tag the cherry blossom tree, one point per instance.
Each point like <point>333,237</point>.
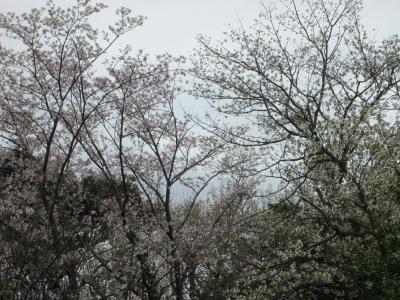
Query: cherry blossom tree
<point>103,170</point>
<point>144,137</point>
<point>49,95</point>
<point>310,88</point>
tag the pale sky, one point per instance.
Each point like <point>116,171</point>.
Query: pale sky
<point>172,25</point>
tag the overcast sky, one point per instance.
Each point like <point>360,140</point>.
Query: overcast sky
<point>172,25</point>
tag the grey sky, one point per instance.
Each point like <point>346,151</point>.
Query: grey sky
<point>172,25</point>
